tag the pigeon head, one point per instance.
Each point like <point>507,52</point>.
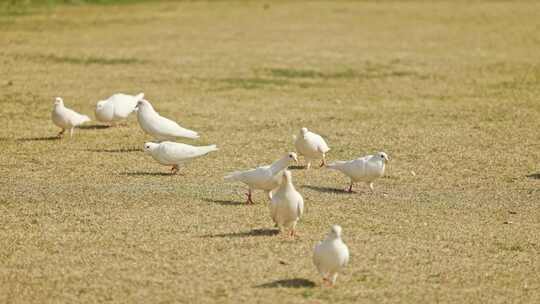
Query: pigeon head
<point>58,101</point>
<point>143,104</point>
<point>149,146</point>
<point>382,156</point>
<point>335,231</point>
<point>303,131</point>
<point>292,156</point>
<point>100,104</point>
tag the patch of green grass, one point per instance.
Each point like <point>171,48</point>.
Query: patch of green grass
<point>300,73</point>
<point>14,8</point>
<point>251,83</point>
<point>92,219</point>
<point>370,71</point>
<point>293,73</point>
<point>89,60</point>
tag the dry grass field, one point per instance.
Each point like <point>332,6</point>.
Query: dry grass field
<point>450,90</point>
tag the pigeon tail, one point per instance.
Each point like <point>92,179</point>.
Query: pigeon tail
<point>188,134</point>
<point>209,149</point>
<point>234,176</point>
<point>85,118</point>
<point>337,165</point>
<point>212,148</point>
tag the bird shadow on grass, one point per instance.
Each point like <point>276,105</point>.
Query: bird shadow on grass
<point>93,127</point>
<point>224,202</point>
<point>534,176</point>
<point>46,138</point>
<point>296,167</point>
<point>121,150</point>
<point>289,283</point>
<point>253,232</point>
<point>142,173</point>
<point>326,189</point>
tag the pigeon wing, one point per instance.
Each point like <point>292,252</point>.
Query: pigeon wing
<point>124,104</point>
<point>258,176</point>
<point>171,128</point>
<point>177,152</point>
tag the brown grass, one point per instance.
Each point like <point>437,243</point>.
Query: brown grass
<point>450,90</point>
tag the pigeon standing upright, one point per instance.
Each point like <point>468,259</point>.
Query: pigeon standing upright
<point>287,205</point>
<point>365,169</point>
<point>175,154</point>
<point>66,118</point>
<point>311,145</point>
<point>265,178</point>
<point>331,255</point>
<point>159,127</point>
<point>117,107</point>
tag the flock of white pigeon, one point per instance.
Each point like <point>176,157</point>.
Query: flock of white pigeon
<point>286,203</point>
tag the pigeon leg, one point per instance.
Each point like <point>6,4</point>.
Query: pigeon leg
<point>308,165</point>
<point>323,162</point>
<point>71,132</point>
<point>371,187</point>
<point>325,281</point>
<point>249,200</point>
<point>333,278</point>
<point>61,133</point>
<point>350,188</point>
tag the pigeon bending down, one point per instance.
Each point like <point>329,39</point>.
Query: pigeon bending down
<point>331,255</point>
<point>364,169</point>
<point>287,204</point>
<point>117,107</point>
<point>158,126</point>
<point>265,178</point>
<point>312,146</point>
<point>66,118</point>
<point>175,154</point>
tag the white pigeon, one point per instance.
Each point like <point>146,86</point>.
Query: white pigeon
<point>158,126</point>
<point>311,145</point>
<point>364,169</point>
<point>117,107</point>
<point>66,118</point>
<point>287,204</point>
<point>265,178</point>
<point>331,255</point>
<point>175,154</point>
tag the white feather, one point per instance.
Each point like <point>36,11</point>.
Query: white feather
<point>363,169</point>
<point>287,204</point>
<point>117,107</point>
<point>159,127</point>
<point>331,255</point>
<point>66,118</point>
<point>265,178</point>
<point>310,145</point>
<point>171,153</point>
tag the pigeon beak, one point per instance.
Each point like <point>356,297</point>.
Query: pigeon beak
<point>387,158</point>
<point>296,160</point>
